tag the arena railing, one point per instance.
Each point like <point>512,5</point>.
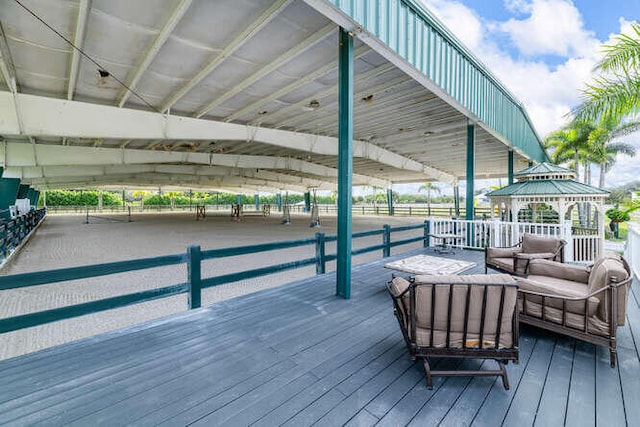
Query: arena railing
<point>193,257</point>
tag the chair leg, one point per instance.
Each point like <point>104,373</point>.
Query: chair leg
<point>427,371</point>
<point>503,374</point>
<point>612,357</point>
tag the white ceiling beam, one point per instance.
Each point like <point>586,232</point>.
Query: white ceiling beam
<point>6,63</point>
<point>42,117</point>
<point>78,41</point>
<point>362,50</point>
<point>74,158</point>
<point>161,38</point>
<point>287,56</point>
<point>235,44</point>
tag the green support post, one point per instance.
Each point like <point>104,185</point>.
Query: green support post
<point>8,194</point>
<point>321,263</point>
<point>386,241</point>
<point>307,202</point>
<point>239,199</point>
<point>456,200</point>
<point>279,201</point>
<point>345,162</point>
<point>390,201</point>
<point>510,166</point>
<point>427,234</point>
<point>256,200</point>
<point>471,157</point>
<point>194,276</point>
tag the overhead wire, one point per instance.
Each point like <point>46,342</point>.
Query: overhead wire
<point>101,68</point>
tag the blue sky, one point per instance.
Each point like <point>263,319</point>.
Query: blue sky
<point>544,52</point>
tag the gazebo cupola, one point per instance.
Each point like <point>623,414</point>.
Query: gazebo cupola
<point>547,193</point>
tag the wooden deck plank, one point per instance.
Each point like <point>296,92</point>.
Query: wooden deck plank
<point>298,355</point>
<point>582,392</point>
<point>553,403</point>
<point>497,401</point>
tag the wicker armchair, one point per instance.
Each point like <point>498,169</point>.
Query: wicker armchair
<point>516,259</point>
<point>586,303</point>
<point>468,316</point>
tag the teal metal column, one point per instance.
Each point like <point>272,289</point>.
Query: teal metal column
<point>471,166</point>
<point>279,201</point>
<point>345,162</point>
<point>256,199</point>
<point>530,163</point>
<point>390,201</point>
<point>36,198</point>
<point>510,166</point>
<point>239,198</point>
<point>307,202</point>
<point>456,200</point>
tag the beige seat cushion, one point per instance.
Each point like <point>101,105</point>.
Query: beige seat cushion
<point>532,243</point>
<point>561,288</point>
<point>424,291</point>
<point>575,273</point>
<point>602,273</point>
<point>575,321</point>
<point>503,263</point>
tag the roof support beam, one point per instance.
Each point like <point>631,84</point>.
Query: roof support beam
<point>269,68</point>
<point>234,45</point>
<point>161,38</point>
<point>6,63</point>
<point>50,117</point>
<point>78,41</point>
<point>19,155</point>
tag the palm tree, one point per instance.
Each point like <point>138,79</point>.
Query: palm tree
<point>603,148</point>
<point>616,94</point>
<point>429,186</point>
<point>570,145</point>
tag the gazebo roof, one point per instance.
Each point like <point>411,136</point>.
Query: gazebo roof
<point>543,169</point>
<point>547,187</point>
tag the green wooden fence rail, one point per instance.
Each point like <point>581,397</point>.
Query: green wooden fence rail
<point>193,257</point>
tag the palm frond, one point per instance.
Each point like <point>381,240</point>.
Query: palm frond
<point>609,99</point>
<point>624,54</point>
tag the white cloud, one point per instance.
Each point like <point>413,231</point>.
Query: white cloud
<point>462,21</point>
<point>552,27</point>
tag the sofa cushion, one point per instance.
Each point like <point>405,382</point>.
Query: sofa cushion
<point>502,263</point>
<point>575,273</point>
<point>532,243</point>
<point>602,273</point>
<point>563,289</point>
<point>424,290</point>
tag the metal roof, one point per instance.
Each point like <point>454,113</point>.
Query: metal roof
<point>242,95</point>
<point>547,187</point>
<point>544,168</point>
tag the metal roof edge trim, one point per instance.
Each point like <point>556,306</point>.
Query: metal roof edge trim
<point>345,13</point>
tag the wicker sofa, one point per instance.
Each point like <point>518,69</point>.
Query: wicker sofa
<point>587,303</point>
<point>468,316</point>
<point>516,259</point>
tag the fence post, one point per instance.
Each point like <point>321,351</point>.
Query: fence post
<point>386,241</point>
<point>566,234</point>
<point>321,263</point>
<point>194,276</point>
<point>427,233</point>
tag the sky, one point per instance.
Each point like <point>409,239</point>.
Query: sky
<point>543,51</point>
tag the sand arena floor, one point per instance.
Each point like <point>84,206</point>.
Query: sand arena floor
<point>66,241</point>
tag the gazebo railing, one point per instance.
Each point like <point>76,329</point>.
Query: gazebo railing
<point>581,247</point>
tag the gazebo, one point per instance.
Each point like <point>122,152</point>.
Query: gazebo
<point>547,194</point>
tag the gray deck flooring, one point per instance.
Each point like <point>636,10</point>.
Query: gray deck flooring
<point>297,355</point>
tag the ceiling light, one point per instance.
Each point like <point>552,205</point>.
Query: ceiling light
<point>368,98</point>
<point>312,106</point>
<point>427,133</point>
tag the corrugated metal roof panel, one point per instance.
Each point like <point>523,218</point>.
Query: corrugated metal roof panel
<point>416,35</point>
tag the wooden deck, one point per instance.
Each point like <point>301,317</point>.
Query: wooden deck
<point>297,355</point>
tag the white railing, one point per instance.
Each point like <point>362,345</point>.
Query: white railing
<point>632,253</point>
<point>478,234</point>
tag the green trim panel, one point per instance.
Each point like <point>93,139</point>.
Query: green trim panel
<point>418,37</point>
